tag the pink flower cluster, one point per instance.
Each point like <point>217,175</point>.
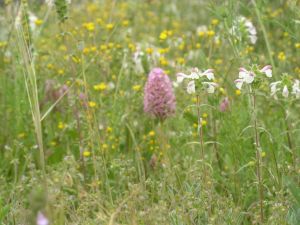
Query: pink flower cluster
<point>159,98</point>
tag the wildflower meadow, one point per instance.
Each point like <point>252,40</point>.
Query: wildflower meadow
<point>149,112</point>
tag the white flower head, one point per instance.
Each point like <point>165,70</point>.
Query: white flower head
<point>181,77</point>
<point>267,70</point>
<point>210,87</point>
<point>209,74</point>
<point>286,87</point>
<point>191,88</point>
<point>248,77</point>
<point>196,74</point>
<point>244,76</point>
<point>201,28</point>
<point>239,83</point>
<point>32,19</point>
<point>18,19</point>
<point>242,23</point>
<point>296,88</point>
<point>285,91</point>
<point>137,58</point>
<point>274,88</point>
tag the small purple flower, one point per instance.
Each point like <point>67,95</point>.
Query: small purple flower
<point>159,98</point>
<point>224,105</point>
<point>41,219</point>
<point>83,99</point>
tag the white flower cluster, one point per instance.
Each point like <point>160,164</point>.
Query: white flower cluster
<point>248,77</point>
<point>285,89</point>
<point>196,74</point>
<point>284,86</point>
<point>243,23</point>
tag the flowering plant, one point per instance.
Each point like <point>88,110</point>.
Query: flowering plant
<point>244,29</point>
<point>286,86</point>
<point>159,98</point>
<point>198,79</point>
<point>254,75</point>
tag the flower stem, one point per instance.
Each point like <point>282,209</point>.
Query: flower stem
<point>200,128</point>
<point>258,159</point>
<point>269,49</point>
<point>289,140</point>
<point>218,158</point>
<point>200,131</point>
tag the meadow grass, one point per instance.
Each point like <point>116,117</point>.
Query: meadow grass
<point>77,147</point>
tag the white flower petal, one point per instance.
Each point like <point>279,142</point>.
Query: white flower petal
<point>191,87</point>
<point>243,73</point>
<point>249,78</point>
<point>285,91</point>
<point>209,74</point>
<point>239,83</point>
<point>267,70</point>
<point>210,87</point>
<point>296,88</point>
<point>181,77</point>
<point>274,88</point>
<point>194,75</point>
<point>253,39</point>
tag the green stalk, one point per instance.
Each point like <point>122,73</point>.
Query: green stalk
<point>262,26</point>
<point>258,157</point>
<point>32,91</point>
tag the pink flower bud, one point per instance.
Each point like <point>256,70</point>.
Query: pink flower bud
<point>159,98</point>
<point>224,105</point>
<point>41,219</point>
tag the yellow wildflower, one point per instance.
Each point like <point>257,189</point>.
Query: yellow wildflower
<point>222,91</point>
<point>103,47</point>
<point>238,92</point>
<point>125,23</point>
<point>50,66</point>
<point>110,26</point>
<point>203,123</point>
<point>61,125</point>
<point>215,22</point>
<point>3,44</point>
<point>201,33</point>
<point>218,61</point>
<point>281,56</point>
<point>151,133</point>
<point>21,135</point>
<point>163,61</point>
<point>86,153</point>
<point>89,26</point>
<point>251,163</point>
<point>60,72</point>
<point>181,60</point>
<point>38,22</point>
<point>100,87</point>
<point>149,51</point>
<point>163,35</point>
<point>136,87</point>
<point>210,33</point>
<point>92,104</point>
<point>109,129</point>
